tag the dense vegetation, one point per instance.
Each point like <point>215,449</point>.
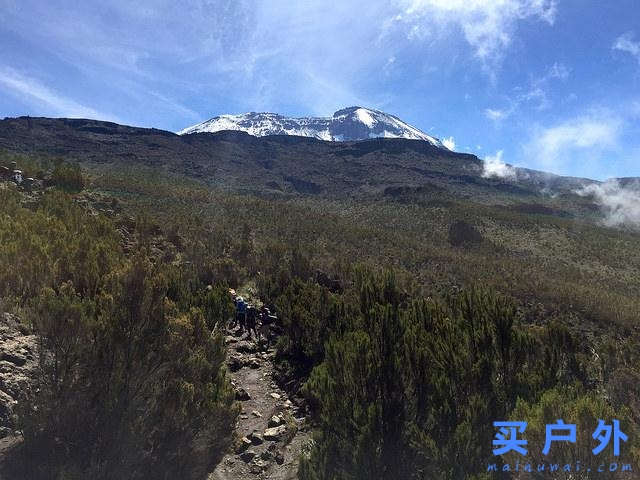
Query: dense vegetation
<point>481,313</point>
<point>132,380</point>
<point>410,388</point>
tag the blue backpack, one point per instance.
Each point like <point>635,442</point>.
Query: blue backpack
<point>242,306</point>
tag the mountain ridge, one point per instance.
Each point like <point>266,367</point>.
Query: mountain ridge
<point>347,124</point>
<point>236,159</point>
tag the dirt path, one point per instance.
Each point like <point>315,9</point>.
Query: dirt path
<point>271,427</point>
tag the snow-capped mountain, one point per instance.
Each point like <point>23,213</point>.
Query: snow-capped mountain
<point>353,123</point>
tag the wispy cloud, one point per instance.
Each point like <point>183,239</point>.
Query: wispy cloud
<point>488,26</point>
<point>580,137</point>
<point>496,114</point>
<point>626,43</point>
<point>620,204</point>
<point>535,94</point>
<point>176,106</point>
<point>45,99</point>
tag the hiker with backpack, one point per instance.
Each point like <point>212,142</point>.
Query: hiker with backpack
<point>241,313</point>
<point>251,318</point>
<point>266,322</point>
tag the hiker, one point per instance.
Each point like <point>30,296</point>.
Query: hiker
<point>234,298</point>
<point>251,320</point>
<point>241,313</point>
<point>266,320</point>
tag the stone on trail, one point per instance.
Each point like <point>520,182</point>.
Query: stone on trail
<point>256,413</point>
<point>275,421</point>
<point>255,438</point>
<point>247,456</point>
<point>257,467</point>
<point>235,363</point>
<point>244,444</point>
<point>254,363</point>
<point>274,433</point>
<point>275,396</point>
<point>242,395</point>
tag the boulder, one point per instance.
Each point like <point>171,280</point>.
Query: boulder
<point>255,438</point>
<point>242,395</point>
<point>235,363</point>
<point>275,421</point>
<point>244,444</point>
<point>247,456</point>
<point>275,433</point>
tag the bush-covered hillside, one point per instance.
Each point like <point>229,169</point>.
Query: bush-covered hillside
<point>411,321</point>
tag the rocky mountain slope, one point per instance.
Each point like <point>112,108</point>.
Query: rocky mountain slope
<point>274,164</point>
<point>348,124</point>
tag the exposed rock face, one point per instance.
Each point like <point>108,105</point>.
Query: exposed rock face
<point>18,362</point>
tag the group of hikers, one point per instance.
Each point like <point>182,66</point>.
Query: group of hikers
<point>251,319</point>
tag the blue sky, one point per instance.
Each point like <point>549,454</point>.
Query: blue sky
<point>552,84</point>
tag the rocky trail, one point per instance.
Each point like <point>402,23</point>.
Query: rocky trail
<point>272,429</point>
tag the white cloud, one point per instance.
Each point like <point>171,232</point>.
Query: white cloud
<point>48,101</point>
<point>494,166</point>
<point>620,204</point>
<point>488,25</point>
<point>625,43</point>
<point>449,143</point>
<point>496,114</point>
<point>553,146</point>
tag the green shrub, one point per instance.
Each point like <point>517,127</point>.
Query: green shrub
<point>68,176</point>
<point>462,233</point>
<point>131,386</point>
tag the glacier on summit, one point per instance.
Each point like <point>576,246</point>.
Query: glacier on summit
<point>348,124</point>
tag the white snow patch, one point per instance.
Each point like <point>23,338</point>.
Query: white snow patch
<point>379,124</point>
<point>365,117</point>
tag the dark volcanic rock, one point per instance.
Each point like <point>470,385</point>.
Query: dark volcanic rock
<point>242,395</point>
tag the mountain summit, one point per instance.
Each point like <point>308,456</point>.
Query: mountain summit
<point>353,123</point>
